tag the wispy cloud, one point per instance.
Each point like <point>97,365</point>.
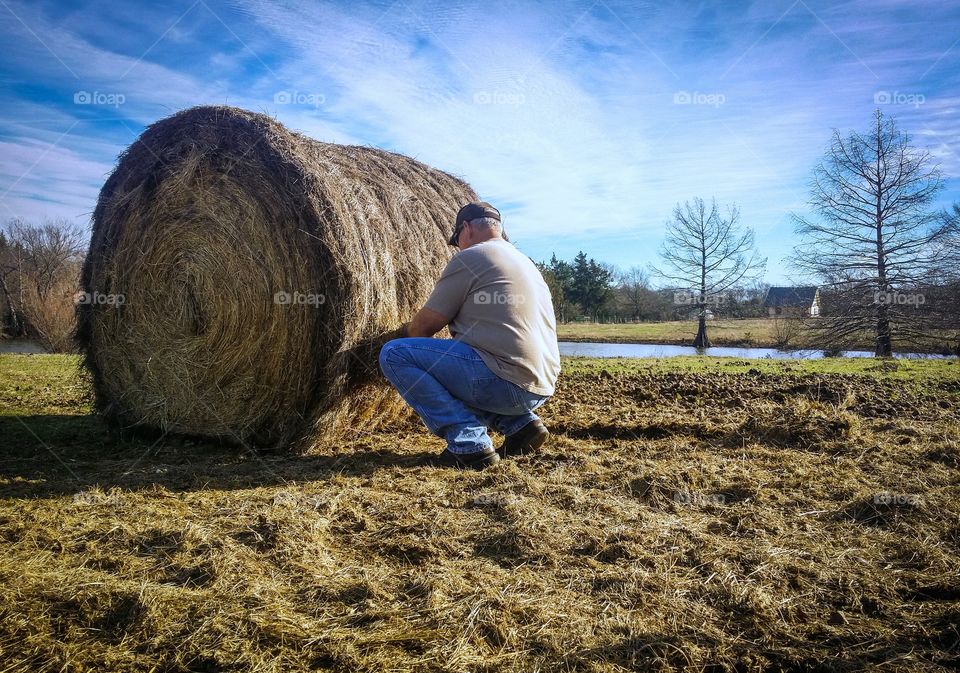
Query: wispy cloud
<point>586,120</point>
<point>42,179</point>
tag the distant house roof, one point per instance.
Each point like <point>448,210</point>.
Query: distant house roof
<point>790,296</point>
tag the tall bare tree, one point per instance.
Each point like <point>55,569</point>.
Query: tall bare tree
<point>872,239</point>
<point>705,255</point>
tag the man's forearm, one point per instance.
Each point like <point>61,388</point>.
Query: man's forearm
<point>426,323</point>
<point>413,332</point>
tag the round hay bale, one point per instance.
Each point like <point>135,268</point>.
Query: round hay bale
<point>239,275</point>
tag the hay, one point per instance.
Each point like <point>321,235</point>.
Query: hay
<point>600,554</point>
<point>800,423</point>
<point>208,216</point>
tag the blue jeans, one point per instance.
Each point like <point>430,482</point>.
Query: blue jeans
<point>456,394</point>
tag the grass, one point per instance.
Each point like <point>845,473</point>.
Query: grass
<point>747,332</point>
<point>701,514</point>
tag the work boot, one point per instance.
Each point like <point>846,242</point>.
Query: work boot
<point>474,461</point>
<point>526,440</point>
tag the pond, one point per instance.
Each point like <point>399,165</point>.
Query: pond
<point>597,350</point>
<point>20,346</point>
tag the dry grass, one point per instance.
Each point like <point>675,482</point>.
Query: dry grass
<point>741,332</point>
<point>718,520</point>
<point>757,332</point>
<point>209,216</point>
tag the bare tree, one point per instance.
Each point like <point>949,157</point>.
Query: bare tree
<point>13,322</point>
<point>634,290</point>
<point>872,243</point>
<point>948,247</point>
<point>786,328</point>
<point>944,283</point>
<point>39,270</point>
<point>705,255</point>
<point>47,249</point>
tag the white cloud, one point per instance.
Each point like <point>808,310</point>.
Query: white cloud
<point>564,116</point>
<point>44,180</point>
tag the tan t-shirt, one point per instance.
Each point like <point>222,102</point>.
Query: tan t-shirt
<point>500,305</point>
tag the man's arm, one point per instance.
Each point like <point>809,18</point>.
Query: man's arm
<point>446,299</point>
<point>426,323</point>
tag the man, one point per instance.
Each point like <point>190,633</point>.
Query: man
<point>503,360</point>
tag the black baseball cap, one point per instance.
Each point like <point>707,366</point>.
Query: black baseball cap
<point>472,211</point>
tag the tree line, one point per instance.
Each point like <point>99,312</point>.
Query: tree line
<point>584,289</point>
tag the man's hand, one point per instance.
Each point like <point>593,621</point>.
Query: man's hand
<point>426,323</point>
<point>399,333</point>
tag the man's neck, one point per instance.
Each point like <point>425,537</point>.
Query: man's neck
<point>486,240</point>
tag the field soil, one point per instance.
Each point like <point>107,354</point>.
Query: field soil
<point>691,514</point>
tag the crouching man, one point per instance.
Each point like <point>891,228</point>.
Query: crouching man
<point>503,360</point>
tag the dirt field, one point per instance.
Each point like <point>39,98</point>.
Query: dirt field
<point>689,514</point>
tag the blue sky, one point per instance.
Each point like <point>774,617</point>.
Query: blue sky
<point>585,122</point>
